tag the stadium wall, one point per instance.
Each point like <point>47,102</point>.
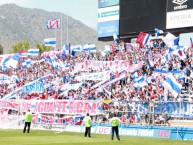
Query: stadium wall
<point>177,133</point>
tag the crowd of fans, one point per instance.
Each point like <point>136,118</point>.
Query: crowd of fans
<point>125,97</point>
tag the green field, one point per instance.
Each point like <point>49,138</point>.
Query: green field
<point>36,137</point>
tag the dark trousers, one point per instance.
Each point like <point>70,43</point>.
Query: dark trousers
<point>87,131</point>
<point>116,130</point>
<point>27,125</point>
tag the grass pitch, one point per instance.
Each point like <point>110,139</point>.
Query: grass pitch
<point>37,137</point>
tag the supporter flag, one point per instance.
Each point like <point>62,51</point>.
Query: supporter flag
<point>107,92</point>
<point>181,54</point>
<point>78,120</point>
<point>66,50</point>
<point>178,50</point>
<point>15,78</point>
<point>143,38</point>
<point>14,60</point>
<point>33,52</point>
<point>89,47</point>
<point>167,57</point>
<point>150,63</point>
<point>140,82</point>
<point>53,24</point>
<point>52,60</point>
<point>109,102</point>
<point>115,38</point>
<point>172,85</point>
<point>176,40</point>
<point>191,42</point>
<point>76,48</point>
<point>170,40</point>
<point>8,62</point>
<point>4,62</point>
<point>50,42</point>
<point>27,63</point>
<point>12,94</point>
<point>4,79</point>
<point>158,32</point>
<point>72,52</point>
<point>23,54</point>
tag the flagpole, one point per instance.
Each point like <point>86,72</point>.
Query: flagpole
<point>61,32</point>
<point>55,36</point>
<point>67,29</point>
<point>67,35</point>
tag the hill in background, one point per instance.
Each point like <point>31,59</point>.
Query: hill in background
<point>25,24</point>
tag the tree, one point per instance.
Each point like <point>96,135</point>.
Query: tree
<point>42,48</point>
<point>20,47</point>
<point>1,49</point>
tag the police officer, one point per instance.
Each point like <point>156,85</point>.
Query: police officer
<point>28,119</point>
<point>88,123</point>
<point>115,121</point>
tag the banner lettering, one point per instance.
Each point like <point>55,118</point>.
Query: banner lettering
<point>62,107</point>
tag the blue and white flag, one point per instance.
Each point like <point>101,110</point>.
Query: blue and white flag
<point>150,63</point>
<point>4,62</point>
<point>107,92</point>
<point>158,32</point>
<point>13,94</point>
<point>53,61</point>
<point>4,79</point>
<point>27,63</point>
<point>66,50</point>
<point>89,47</point>
<point>77,48</point>
<point>33,52</point>
<point>71,86</point>
<point>140,82</point>
<point>94,76</point>
<point>167,57</point>
<point>170,40</point>
<point>191,42</point>
<point>15,78</point>
<point>10,62</point>
<point>50,42</point>
<point>115,38</point>
<point>178,50</point>
<point>172,85</point>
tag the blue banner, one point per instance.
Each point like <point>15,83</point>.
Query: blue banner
<point>174,108</point>
<point>35,87</point>
<point>107,3</point>
<point>107,29</point>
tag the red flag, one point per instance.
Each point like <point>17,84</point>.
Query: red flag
<point>180,52</point>
<point>140,38</point>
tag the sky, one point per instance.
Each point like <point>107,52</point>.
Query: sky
<point>83,10</point>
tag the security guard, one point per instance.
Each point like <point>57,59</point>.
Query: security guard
<point>88,123</point>
<point>28,119</point>
<point>115,121</point>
